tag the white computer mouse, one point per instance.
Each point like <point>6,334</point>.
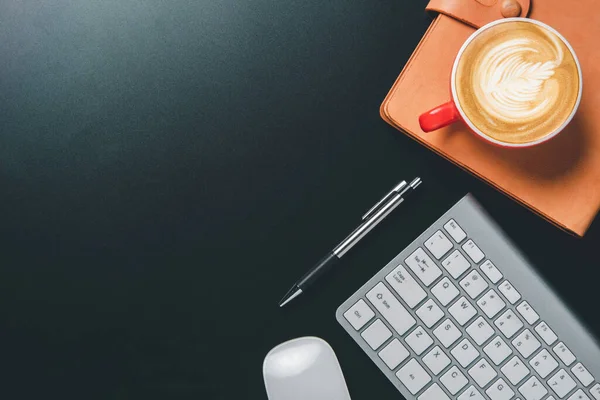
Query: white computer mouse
<point>304,368</point>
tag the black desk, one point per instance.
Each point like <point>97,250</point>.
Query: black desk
<point>169,168</point>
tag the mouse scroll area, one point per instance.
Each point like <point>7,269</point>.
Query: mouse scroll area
<point>293,360</point>
<point>304,368</point>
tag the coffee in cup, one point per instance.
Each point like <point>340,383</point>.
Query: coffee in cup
<point>515,82</point>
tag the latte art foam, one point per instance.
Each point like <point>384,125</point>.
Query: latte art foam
<point>517,82</point>
<point>511,87</point>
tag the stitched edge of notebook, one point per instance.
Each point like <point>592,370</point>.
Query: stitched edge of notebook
<point>392,92</point>
<point>578,232</point>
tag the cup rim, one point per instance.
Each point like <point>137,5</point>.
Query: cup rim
<point>464,116</point>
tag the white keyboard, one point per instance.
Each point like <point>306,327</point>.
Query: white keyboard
<point>460,314</point>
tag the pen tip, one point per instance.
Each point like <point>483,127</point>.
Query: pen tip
<point>294,292</point>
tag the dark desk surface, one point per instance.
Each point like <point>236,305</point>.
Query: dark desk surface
<point>169,168</point>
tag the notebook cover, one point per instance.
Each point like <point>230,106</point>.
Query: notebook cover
<point>560,179</point>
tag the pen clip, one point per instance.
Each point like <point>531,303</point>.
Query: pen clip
<point>395,190</point>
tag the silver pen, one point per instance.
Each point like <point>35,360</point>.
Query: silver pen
<point>371,219</point>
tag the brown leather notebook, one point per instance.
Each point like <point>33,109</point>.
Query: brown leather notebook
<point>559,179</point>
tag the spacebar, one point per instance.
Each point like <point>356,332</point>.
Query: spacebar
<point>390,308</point>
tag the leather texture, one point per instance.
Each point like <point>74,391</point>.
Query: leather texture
<point>474,12</point>
<point>559,179</point>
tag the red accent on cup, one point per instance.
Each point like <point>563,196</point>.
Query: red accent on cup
<point>439,117</point>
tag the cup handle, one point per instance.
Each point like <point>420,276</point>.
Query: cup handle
<point>439,117</point>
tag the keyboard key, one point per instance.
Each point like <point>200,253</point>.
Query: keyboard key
<point>526,343</point>
<point>471,394</point>
<point>456,264</point>
<point>423,267</point>
<point>393,354</point>
<point>596,391</point>
<point>465,353</point>
<point>433,392</point>
<point>480,331</point>
<point>546,333</point>
<point>508,323</point>
<point>376,334</point>
<point>563,352</point>
<point>533,389</point>
<point>430,313</point>
<point>491,303</point>
<point>482,372</point>
<point>497,350</point>
<point>438,244</point>
<point>359,314</point>
<point>543,363</point>
<point>391,309</point>
<point>419,340</point>
<point>454,380</point>
<point>462,311</point>
<point>500,391</point>
<point>413,376</point>
<point>445,291</point>
<point>508,291</point>
<point>578,395</point>
<point>528,313</point>
<point>490,270</point>
<point>473,251</point>
<point>515,370</point>
<point>406,286</point>
<point>561,383</point>
<point>447,333</point>
<point>582,374</point>
<point>455,231</point>
<point>436,360</point>
<point>474,284</point>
